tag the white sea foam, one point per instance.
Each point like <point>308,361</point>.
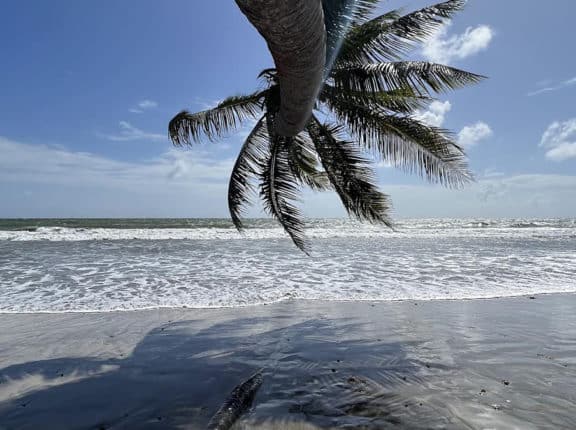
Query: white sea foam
<point>83,270</point>
<point>318,230</point>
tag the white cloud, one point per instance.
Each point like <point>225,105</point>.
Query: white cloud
<point>468,137</point>
<point>548,89</point>
<point>69,183</point>
<point>144,105</point>
<point>45,180</point>
<point>560,140</point>
<point>206,104</point>
<point>435,114</point>
<point>521,196</point>
<point>471,135</point>
<point>147,104</point>
<point>55,164</point>
<point>441,48</point>
<point>128,133</point>
<point>562,152</point>
<point>542,91</point>
<point>491,173</point>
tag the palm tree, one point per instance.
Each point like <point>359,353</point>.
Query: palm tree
<point>368,104</point>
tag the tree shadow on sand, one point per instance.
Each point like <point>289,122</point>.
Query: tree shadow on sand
<point>179,375</point>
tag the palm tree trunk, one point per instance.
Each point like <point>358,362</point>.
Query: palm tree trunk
<point>296,36</point>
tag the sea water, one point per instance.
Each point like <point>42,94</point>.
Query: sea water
<point>92,265</point>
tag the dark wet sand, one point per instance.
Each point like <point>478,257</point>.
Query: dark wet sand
<point>485,364</point>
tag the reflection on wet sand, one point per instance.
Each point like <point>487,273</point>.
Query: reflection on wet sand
<point>503,363</point>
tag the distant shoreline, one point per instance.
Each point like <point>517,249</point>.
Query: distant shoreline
<point>247,307</point>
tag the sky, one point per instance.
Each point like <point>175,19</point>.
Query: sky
<point>87,90</point>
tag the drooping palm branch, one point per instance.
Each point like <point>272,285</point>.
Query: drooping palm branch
<point>371,101</point>
<point>279,188</point>
<point>350,174</point>
<point>391,36</point>
<point>215,123</point>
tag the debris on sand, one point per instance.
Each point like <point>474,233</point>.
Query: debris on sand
<point>239,401</point>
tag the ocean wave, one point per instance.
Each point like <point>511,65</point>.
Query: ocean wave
<point>142,274</point>
<point>273,231</point>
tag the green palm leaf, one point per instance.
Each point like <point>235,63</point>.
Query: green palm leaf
<point>420,76</point>
<point>390,36</point>
<point>247,167</point>
<point>350,174</point>
<point>407,143</point>
<point>279,191</point>
<point>339,16</point>
<point>215,123</point>
<point>303,161</point>
<point>403,100</point>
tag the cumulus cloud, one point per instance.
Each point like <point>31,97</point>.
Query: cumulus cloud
<point>435,114</point>
<point>471,135</point>
<point>468,137</point>
<point>143,106</point>
<point>560,140</point>
<point>442,48</point>
<point>128,132</point>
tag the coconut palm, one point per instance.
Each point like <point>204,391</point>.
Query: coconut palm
<point>367,108</point>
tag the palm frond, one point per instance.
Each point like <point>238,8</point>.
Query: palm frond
<point>350,174</point>
<point>279,191</point>
<point>404,100</point>
<point>389,36</point>
<point>407,143</point>
<point>339,16</point>
<point>247,167</point>
<point>337,12</point>
<point>420,76</point>
<point>304,161</point>
<point>186,128</point>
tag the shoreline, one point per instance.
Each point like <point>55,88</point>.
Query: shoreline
<point>532,296</point>
<point>490,363</point>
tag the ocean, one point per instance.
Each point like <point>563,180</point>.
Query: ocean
<point>90,265</point>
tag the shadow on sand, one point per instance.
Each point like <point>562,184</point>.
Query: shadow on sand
<point>180,374</point>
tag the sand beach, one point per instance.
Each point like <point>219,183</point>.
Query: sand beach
<point>460,364</point>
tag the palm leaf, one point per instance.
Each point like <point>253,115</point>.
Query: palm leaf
<point>247,167</point>
<point>339,16</point>
<point>403,100</point>
<point>350,175</point>
<point>407,143</point>
<point>279,191</point>
<point>215,123</point>
<point>420,76</point>
<point>390,36</point>
<point>303,161</point>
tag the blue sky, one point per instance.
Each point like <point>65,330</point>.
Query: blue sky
<point>87,90</point>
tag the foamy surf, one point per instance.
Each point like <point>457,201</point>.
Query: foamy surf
<point>93,269</point>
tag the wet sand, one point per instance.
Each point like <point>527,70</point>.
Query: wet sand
<point>481,364</point>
